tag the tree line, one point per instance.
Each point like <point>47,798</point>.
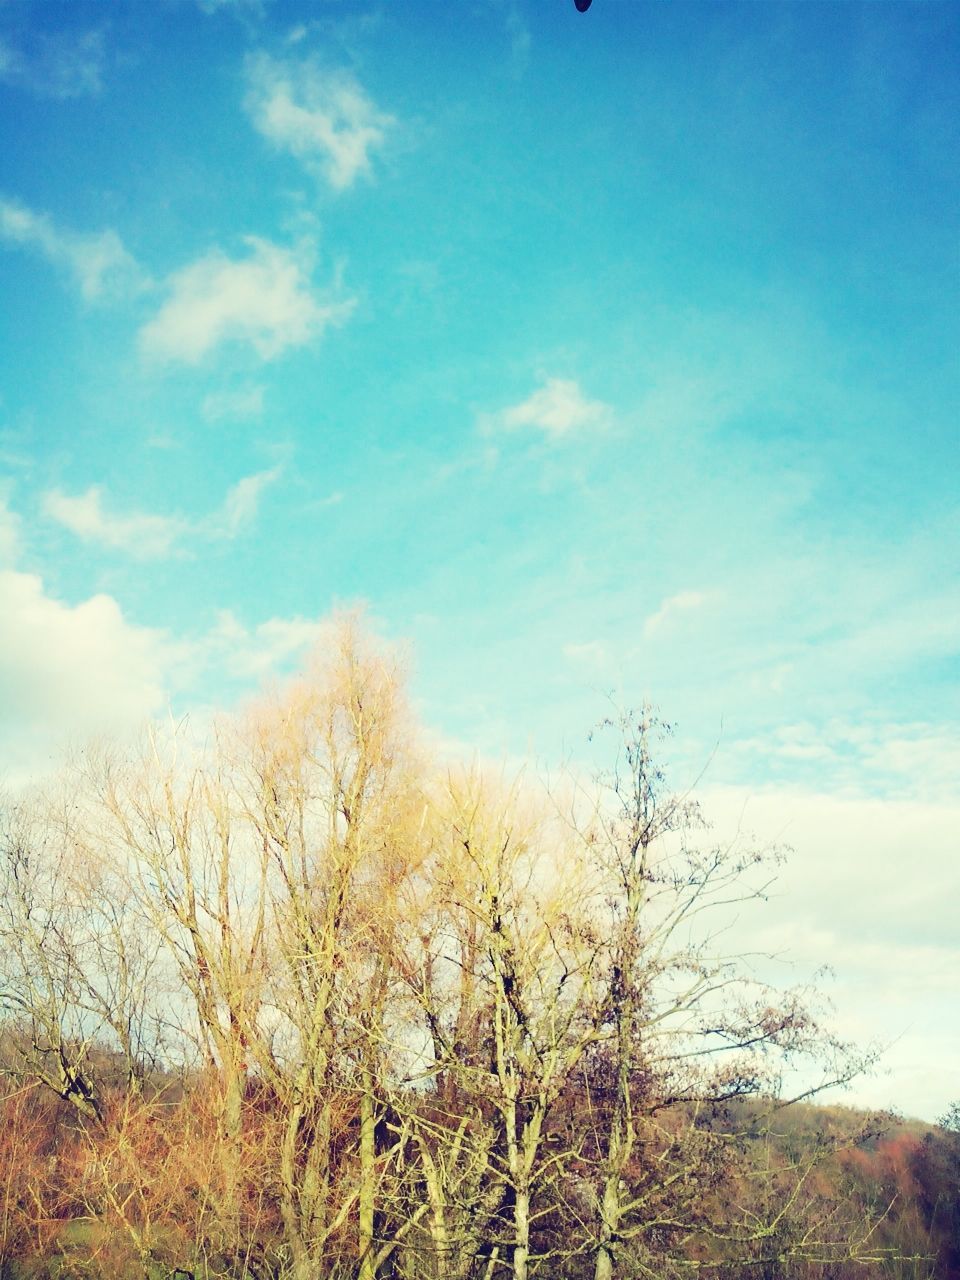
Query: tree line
<point>301,1000</point>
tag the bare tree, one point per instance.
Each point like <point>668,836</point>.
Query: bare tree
<point>690,1026</point>
<point>319,1005</point>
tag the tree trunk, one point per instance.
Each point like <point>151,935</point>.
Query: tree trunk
<point>521,1248</point>
<point>609,1224</point>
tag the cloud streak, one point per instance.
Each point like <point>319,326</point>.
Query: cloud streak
<point>241,505</point>
<point>138,534</point>
<point>147,536</point>
<point>98,262</point>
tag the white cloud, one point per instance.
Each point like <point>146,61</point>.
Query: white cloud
<point>141,535</point>
<point>147,536</point>
<point>324,118</point>
<point>265,300</point>
<point>558,408</point>
<point>72,671</point>
<point>69,671</point>
<point>99,263</point>
<point>682,602</point>
<point>244,403</point>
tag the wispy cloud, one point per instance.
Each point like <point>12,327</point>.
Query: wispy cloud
<point>56,64</point>
<point>265,300</point>
<point>137,533</point>
<point>323,117</point>
<point>247,402</point>
<point>912,759</point>
<point>146,536</point>
<point>673,607</point>
<point>250,652</point>
<point>241,504</point>
<point>98,262</point>
<point>558,408</point>
<point>331,500</point>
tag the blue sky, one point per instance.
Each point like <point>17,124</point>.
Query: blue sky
<point>603,352</point>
